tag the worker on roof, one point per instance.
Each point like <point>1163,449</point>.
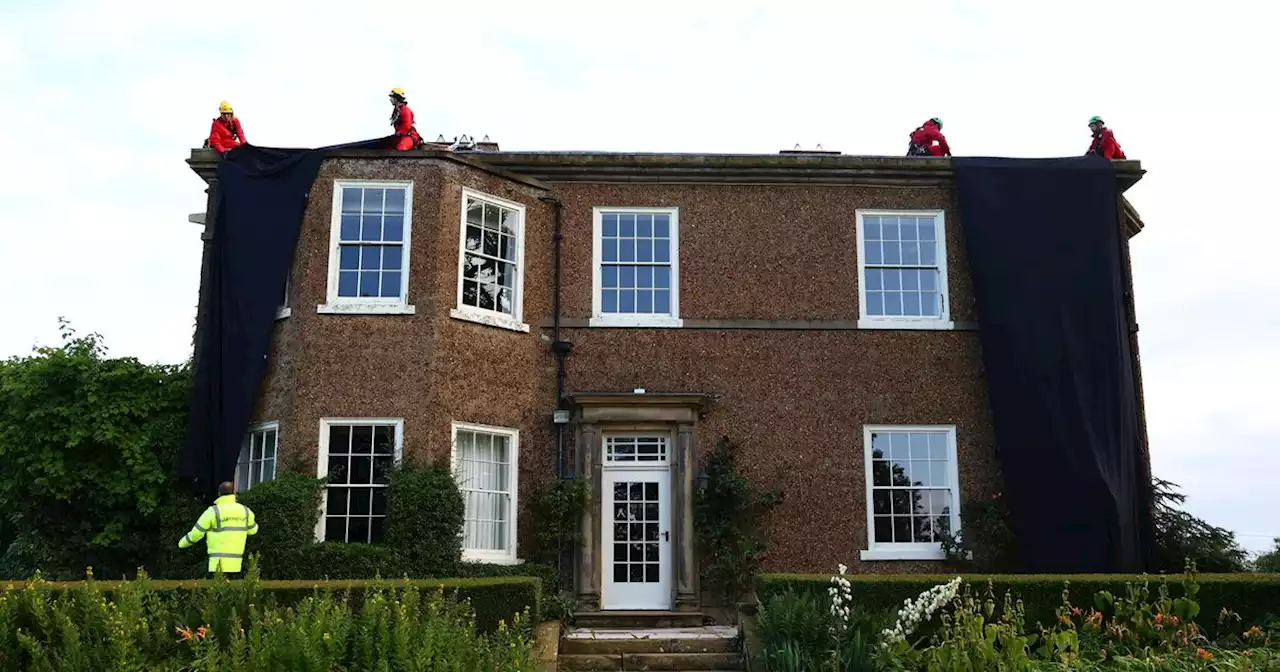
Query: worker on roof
<point>1104,141</point>
<point>402,121</point>
<point>227,133</point>
<point>928,140</point>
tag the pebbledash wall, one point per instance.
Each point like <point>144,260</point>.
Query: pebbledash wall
<point>770,344</point>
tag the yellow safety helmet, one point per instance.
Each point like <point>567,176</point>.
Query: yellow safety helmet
<point>224,108</point>
<point>398,92</point>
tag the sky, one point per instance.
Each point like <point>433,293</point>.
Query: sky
<point>100,102</point>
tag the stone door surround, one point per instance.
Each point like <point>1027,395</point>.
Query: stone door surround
<point>597,413</point>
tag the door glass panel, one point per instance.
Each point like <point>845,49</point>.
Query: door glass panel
<point>635,532</point>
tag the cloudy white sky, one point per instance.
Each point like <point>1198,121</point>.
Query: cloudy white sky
<point>101,101</point>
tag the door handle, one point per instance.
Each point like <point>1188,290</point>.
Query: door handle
<point>666,536</point>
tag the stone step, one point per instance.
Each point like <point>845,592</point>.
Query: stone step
<point>682,662</point>
<point>707,639</point>
<point>638,619</point>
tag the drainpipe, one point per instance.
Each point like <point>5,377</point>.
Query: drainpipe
<point>559,347</point>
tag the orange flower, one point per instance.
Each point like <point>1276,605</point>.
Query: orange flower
<point>1065,620</point>
<point>1159,618</point>
<point>185,633</point>
<point>1253,632</point>
<point>201,632</point>
<point>1204,655</point>
<point>1173,620</point>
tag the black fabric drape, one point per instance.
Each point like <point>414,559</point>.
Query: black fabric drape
<point>1043,238</point>
<point>260,198</point>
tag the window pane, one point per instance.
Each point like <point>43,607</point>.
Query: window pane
<point>351,198</point>
<point>395,200</point>
<point>871,228</point>
<point>339,439</point>
<point>662,226</point>
<point>337,504</point>
<point>358,531</point>
<point>348,283</point>
<point>609,301</point>
<point>391,284</point>
<point>335,529</point>
<point>371,227</point>
<point>609,277</point>
<point>609,225</point>
<point>662,250</point>
<point>362,439</point>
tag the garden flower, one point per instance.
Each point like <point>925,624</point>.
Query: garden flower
<point>1204,655</point>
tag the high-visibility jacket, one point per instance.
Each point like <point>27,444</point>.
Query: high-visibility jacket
<point>228,525</point>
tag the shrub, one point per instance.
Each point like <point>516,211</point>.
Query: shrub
<point>247,625</point>
<point>1252,596</point>
<point>287,510</point>
<point>425,513</point>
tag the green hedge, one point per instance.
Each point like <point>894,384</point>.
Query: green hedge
<point>493,599</point>
<point>1254,596</point>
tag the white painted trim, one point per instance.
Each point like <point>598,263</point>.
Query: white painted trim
<point>507,557</point>
<point>336,305</point>
<point>602,319</point>
<point>487,318</point>
<point>322,454</point>
<point>942,323</point>
<point>493,318</point>
<point>903,551</point>
<point>354,308</point>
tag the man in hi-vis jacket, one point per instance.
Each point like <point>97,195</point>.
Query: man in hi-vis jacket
<point>228,525</point>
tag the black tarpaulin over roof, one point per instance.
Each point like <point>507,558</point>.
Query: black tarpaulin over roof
<point>261,196</point>
<point>1045,253</point>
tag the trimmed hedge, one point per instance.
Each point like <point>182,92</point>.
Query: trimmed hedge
<point>1254,596</point>
<point>493,599</point>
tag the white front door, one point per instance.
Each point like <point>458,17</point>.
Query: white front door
<point>636,537</point>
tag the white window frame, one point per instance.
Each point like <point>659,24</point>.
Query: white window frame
<point>269,426</point>
<point>368,305</point>
<point>944,321</point>
<point>601,319</point>
<point>494,318</point>
<point>908,551</point>
<point>322,455</point>
<point>509,556</point>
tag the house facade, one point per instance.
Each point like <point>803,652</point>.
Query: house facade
<point>814,308</point>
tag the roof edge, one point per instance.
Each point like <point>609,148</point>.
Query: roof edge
<point>204,162</point>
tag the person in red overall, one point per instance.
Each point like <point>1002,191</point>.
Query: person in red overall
<point>226,133</point>
<point>1104,141</point>
<point>928,140</point>
<point>402,121</point>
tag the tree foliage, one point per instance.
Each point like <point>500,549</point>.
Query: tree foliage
<point>1181,536</point>
<point>87,445</point>
<point>1269,561</point>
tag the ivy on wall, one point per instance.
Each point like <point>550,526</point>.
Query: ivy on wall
<point>728,509</point>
